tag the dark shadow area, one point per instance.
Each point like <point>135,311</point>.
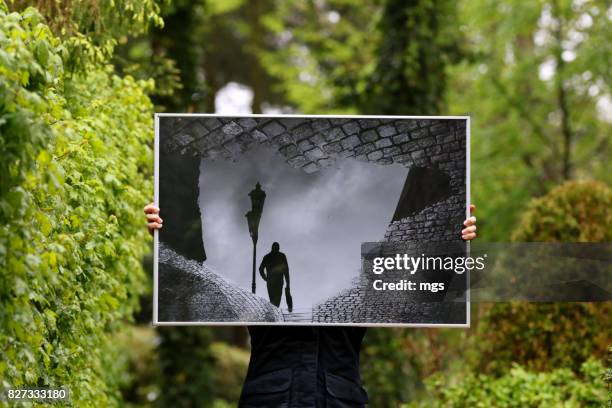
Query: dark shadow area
<point>178,200</point>
<point>424,186</point>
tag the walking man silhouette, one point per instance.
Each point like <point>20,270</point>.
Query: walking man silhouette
<point>273,269</point>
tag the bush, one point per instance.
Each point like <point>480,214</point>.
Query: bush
<point>187,365</point>
<point>520,388</point>
<point>75,172</point>
<point>230,369</point>
<point>542,336</point>
<point>140,383</point>
<point>607,376</point>
<point>576,211</point>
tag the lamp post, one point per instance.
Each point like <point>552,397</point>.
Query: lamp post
<point>258,196</point>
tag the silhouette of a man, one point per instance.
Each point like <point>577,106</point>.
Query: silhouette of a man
<point>273,269</point>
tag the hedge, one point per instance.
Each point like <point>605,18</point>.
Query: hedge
<point>576,211</point>
<point>520,388</point>
<point>75,172</point>
<point>543,336</point>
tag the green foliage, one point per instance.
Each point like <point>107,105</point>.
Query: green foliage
<point>373,57</point>
<point>520,388</point>
<point>231,365</point>
<point>188,21</point>
<point>577,211</point>
<point>101,21</point>
<point>75,172</point>
<point>140,382</point>
<point>323,53</point>
<point>546,335</point>
<point>534,79</point>
<point>543,336</point>
<point>186,361</point>
<point>419,38</point>
<point>395,362</point>
<point>203,46</point>
<point>90,29</point>
<point>179,367</point>
<point>136,58</point>
<point>388,369</point>
<point>607,376</point>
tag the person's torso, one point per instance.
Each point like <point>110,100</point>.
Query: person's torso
<point>304,367</point>
<point>276,264</point>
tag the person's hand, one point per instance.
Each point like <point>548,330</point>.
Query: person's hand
<point>469,232</point>
<point>154,221</point>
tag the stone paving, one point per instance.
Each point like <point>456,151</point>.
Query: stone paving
<point>191,292</point>
<point>312,144</point>
<point>298,315</point>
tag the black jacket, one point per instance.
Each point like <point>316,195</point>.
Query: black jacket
<point>305,366</point>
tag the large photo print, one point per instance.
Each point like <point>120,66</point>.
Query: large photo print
<point>281,219</point>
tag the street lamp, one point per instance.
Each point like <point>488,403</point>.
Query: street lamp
<point>258,196</point>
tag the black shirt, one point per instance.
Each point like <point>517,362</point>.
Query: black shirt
<point>304,366</point>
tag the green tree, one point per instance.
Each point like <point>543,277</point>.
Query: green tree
<point>419,39</point>
<point>576,211</point>
<point>536,75</point>
<point>321,53</point>
<point>76,147</point>
<point>204,45</point>
<point>369,57</point>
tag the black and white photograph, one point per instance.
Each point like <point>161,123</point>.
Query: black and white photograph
<point>273,219</point>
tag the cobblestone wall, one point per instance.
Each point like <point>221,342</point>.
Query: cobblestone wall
<point>363,304</point>
<point>315,143</point>
<point>191,292</point>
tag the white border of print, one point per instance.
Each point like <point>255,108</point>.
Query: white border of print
<point>156,321</point>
